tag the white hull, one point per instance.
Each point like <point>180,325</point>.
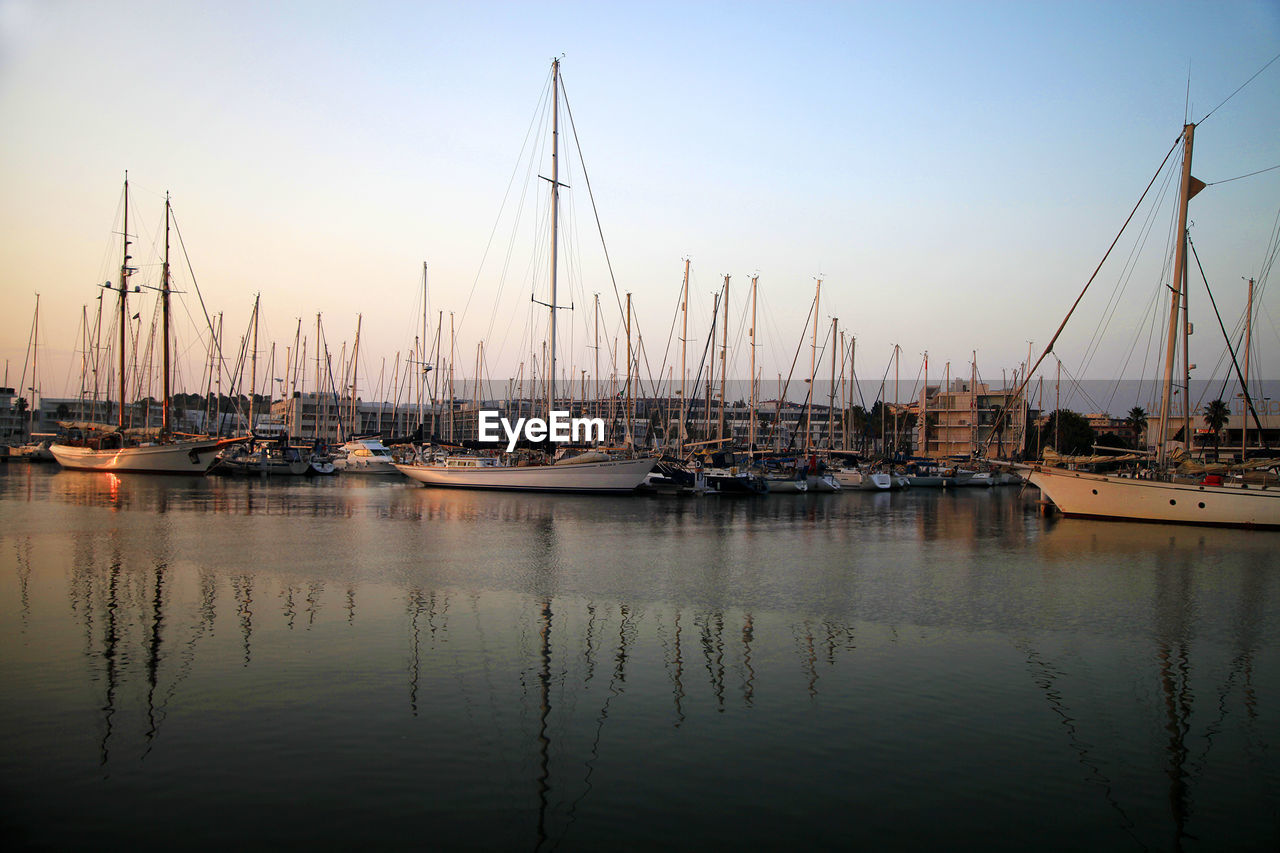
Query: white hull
<point>849,478</point>
<point>31,453</point>
<point>364,456</point>
<point>1086,495</point>
<point>787,486</point>
<point>877,482</point>
<point>178,457</point>
<point>823,483</point>
<point>365,466</point>
<point>613,476</point>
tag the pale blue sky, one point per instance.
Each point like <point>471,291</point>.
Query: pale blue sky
<point>953,171</point>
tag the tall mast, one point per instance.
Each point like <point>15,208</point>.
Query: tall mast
<point>291,381</point>
<point>319,386</point>
<point>629,409</point>
<point>595,397</point>
<point>97,360</point>
<point>1057,404</point>
<point>846,397</point>
<point>355,378</point>
<point>422,354</point>
<point>453,341</point>
<point>253,371</point>
<point>217,401</point>
<point>435,383</point>
<point>84,358</point>
<point>751,415</point>
<point>724,355</point>
<point>1244,414</point>
<point>973,403</point>
<point>924,411</point>
<point>831,402</point>
<point>35,364</point>
<point>684,338</point>
<point>1026,401</point>
<point>479,395</point>
<point>124,288</point>
<point>945,446</point>
<point>555,208</point>
<point>1179,285</point>
<point>165,426</point>
<point>853,375</point>
<point>813,366</point>
<point>897,361</point>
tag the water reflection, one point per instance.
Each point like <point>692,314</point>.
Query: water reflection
<point>572,652</point>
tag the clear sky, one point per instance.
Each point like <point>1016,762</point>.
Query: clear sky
<point>952,171</point>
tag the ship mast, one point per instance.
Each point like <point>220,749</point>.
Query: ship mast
<point>1178,290</point>
<point>724,353</point>
<point>751,423</point>
<point>684,339</point>
<point>555,207</point>
<point>813,359</point>
<point>125,270</point>
<point>164,314</point>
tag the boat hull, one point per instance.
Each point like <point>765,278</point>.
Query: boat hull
<point>876,482</point>
<point>823,483</point>
<point>179,457</point>
<point>612,477</point>
<point>370,467</point>
<point>1082,494</point>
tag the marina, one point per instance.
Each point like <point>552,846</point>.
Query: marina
<point>376,475</point>
<point>363,661</point>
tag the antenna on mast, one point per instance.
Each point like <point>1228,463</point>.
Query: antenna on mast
<point>1186,107</point>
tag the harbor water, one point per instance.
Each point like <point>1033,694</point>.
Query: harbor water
<point>205,663</point>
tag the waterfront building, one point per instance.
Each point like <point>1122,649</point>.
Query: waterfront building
<point>964,415</point>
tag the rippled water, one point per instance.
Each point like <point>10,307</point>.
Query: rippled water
<point>206,663</point>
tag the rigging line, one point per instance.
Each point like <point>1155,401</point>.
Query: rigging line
<point>1127,272</point>
<point>1273,248</point>
<point>590,194</point>
<point>799,346</point>
<point>22,387</point>
<point>214,345</point>
<point>1242,85</point>
<point>1076,385</point>
<point>535,121</point>
<point>666,353</point>
<point>1247,399</point>
<point>1005,408</point>
<point>535,259</point>
<point>1151,322</point>
<point>1241,177</point>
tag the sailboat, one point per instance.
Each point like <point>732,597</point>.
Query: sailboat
<point>118,448</point>
<point>36,447</point>
<point>588,472</point>
<point>1160,498</point>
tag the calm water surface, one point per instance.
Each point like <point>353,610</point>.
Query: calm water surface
<point>206,663</point>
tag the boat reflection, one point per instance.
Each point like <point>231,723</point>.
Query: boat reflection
<point>564,640</point>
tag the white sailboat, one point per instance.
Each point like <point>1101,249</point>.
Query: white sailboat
<point>1160,498</point>
<point>120,449</point>
<point>472,471</point>
<point>593,472</point>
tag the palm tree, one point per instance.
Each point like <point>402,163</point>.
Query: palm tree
<point>1215,417</point>
<point>1137,422</point>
